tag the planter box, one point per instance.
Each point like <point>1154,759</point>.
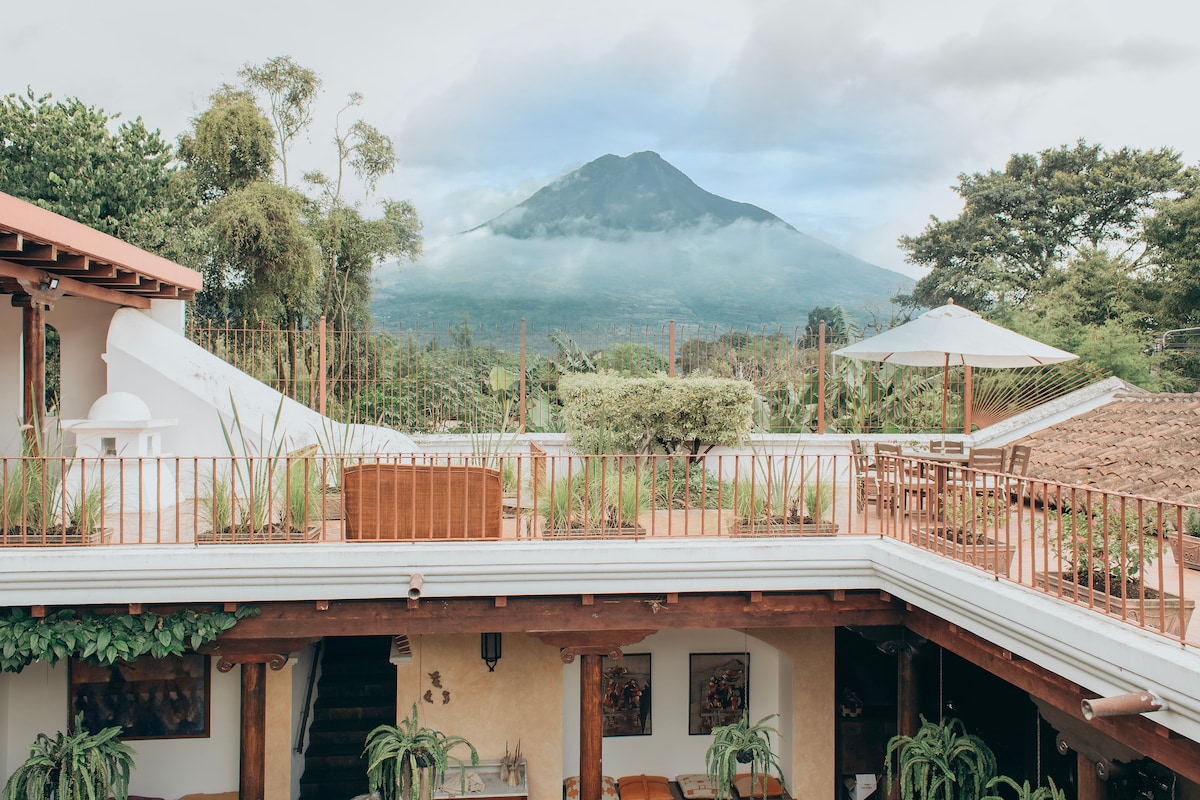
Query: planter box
<point>744,527</point>
<point>594,532</point>
<point>1190,557</point>
<point>990,555</point>
<point>1176,614</point>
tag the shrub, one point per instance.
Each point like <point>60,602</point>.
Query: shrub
<point>604,412</point>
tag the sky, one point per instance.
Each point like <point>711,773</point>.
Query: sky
<point>849,119</point>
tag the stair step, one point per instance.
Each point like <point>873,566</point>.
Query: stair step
<point>333,789</point>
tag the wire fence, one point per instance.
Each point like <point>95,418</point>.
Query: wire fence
<point>463,378</point>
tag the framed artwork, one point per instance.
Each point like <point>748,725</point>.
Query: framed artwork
<point>625,695</point>
<point>151,698</point>
<point>718,690</point>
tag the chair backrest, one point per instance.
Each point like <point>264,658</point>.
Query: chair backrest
<point>421,501</point>
<point>885,449</point>
<point>946,446</point>
<point>1018,459</point>
<point>990,459</point>
<point>862,461</point>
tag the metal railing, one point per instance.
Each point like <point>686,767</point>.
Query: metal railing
<point>456,378</point>
<point>1075,543</point>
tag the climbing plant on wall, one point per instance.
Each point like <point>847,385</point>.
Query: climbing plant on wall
<point>108,638</point>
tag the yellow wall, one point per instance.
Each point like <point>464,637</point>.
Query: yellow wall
<point>521,700</point>
<point>812,734</point>
<point>279,734</point>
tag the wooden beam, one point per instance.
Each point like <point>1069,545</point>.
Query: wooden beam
<point>520,614</point>
<point>76,288</point>
<point>581,641</point>
<point>1135,732</point>
<point>11,243</point>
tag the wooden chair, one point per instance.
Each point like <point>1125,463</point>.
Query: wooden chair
<point>981,462</point>
<point>946,446</point>
<point>866,476</point>
<point>421,501</point>
<point>1018,459</point>
<point>900,480</point>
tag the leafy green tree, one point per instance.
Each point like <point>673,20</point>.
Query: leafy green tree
<point>835,322</point>
<point>117,177</point>
<point>1174,235</point>
<point>291,91</point>
<point>1019,224</point>
<point>230,144</point>
<point>271,257</point>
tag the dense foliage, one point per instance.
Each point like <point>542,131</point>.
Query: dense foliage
<point>79,765</point>
<point>108,638</point>
<point>606,413</point>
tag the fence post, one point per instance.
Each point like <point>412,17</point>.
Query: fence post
<point>521,400</point>
<point>671,350</point>
<point>821,379</point>
<point>321,365</point>
<point>967,399</point>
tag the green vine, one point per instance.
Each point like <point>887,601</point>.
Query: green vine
<point>108,638</point>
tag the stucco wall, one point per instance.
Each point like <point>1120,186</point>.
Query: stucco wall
<point>168,768</point>
<point>521,700</point>
<point>10,387</point>
<point>82,326</point>
<point>670,750</point>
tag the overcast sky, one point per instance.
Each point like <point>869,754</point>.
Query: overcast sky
<point>850,119</point>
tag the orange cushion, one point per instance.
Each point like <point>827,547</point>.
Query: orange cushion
<point>746,789</point>
<point>608,788</point>
<point>644,787</point>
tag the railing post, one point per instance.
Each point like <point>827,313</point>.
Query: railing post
<point>821,379</point>
<point>522,398</point>
<point>967,399</point>
<point>321,366</point>
<point>671,349</point>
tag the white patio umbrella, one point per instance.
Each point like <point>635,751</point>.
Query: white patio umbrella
<point>950,335</point>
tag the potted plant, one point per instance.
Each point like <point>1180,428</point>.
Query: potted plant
<point>1186,547</point>
<point>968,531</point>
<point>783,498</point>
<point>405,761</point>
<point>1103,551</point>
<point>941,762</point>
<point>73,766</point>
<point>1023,791</point>
<point>738,747</point>
<point>602,498</point>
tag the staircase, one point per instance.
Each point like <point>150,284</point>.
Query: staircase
<point>356,692</point>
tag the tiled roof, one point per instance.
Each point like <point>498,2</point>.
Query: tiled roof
<point>1137,444</point>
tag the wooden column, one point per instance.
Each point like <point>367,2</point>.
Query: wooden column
<point>591,646</point>
<point>252,776</point>
<point>1090,787</point>
<point>907,700</point>
<point>591,728</point>
<point>33,373</point>
<point>254,658</point>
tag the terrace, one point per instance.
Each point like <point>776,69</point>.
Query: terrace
<point>441,534</point>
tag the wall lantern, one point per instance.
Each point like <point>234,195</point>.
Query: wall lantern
<point>49,283</point>
<point>489,649</point>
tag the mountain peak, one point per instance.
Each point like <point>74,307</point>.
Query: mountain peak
<point>613,196</point>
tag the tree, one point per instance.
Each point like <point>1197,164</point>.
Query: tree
<point>1019,224</point>
<point>230,144</point>
<point>291,90</point>
<point>352,245</point>
<point>835,322</point>
<point>67,157</point>
<point>270,257</point>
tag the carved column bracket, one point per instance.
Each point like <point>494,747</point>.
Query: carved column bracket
<point>569,654</point>
<point>276,661</point>
<point>272,652</point>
